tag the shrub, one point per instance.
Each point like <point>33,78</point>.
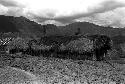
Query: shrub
<point>113,54</point>
<point>5,41</point>
<point>18,43</point>
<point>41,47</point>
<point>122,49</point>
<point>81,45</point>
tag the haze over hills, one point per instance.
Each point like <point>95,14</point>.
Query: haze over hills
<point>27,27</point>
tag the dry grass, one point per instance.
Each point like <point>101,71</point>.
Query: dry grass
<point>60,71</point>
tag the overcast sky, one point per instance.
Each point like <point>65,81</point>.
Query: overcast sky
<point>62,12</point>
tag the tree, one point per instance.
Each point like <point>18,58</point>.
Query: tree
<point>78,31</point>
<point>44,30</point>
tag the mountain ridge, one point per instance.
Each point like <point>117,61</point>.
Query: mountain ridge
<point>31,28</point>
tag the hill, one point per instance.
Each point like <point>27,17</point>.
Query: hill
<point>19,24</point>
<point>25,26</point>
<point>31,28</point>
<point>90,28</point>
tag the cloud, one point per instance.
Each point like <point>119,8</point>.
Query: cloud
<point>15,11</point>
<point>52,15</point>
<point>3,10</point>
<point>11,8</point>
<point>10,3</point>
<point>114,18</point>
<point>101,8</point>
<point>53,22</point>
<point>65,11</point>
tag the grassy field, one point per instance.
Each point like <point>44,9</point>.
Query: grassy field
<point>52,70</point>
<point>60,71</point>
